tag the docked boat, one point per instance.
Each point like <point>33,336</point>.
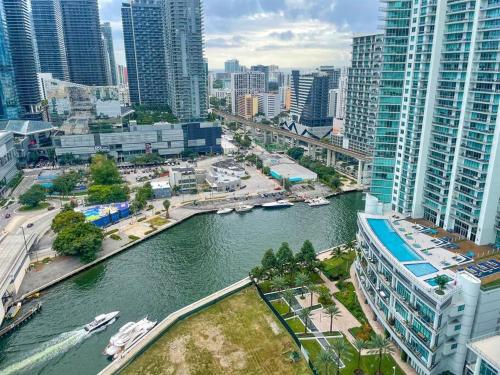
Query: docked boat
<point>128,336</point>
<point>244,208</point>
<point>283,203</point>
<point>101,321</point>
<point>13,311</point>
<point>224,211</point>
<point>318,202</point>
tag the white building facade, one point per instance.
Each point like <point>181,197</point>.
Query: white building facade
<point>251,82</point>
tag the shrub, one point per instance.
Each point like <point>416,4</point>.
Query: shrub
<point>150,231</point>
<point>115,237</point>
<point>133,238</point>
<point>111,232</point>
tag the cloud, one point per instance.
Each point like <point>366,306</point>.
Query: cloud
<point>288,33</point>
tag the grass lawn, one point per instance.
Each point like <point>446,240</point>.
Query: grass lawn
<point>158,221</point>
<point>280,306</point>
<point>338,265</point>
<point>41,206</point>
<point>238,335</point>
<point>369,363</point>
<point>349,299</point>
<point>296,325</point>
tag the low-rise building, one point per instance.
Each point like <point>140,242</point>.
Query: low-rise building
<point>161,189</point>
<point>7,159</point>
<point>484,352</point>
<point>229,167</point>
<point>183,178</point>
<point>164,139</point>
<point>269,104</point>
<point>282,167</point>
<point>32,139</point>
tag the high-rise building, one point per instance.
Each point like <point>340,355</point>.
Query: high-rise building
<point>122,75</point>
<point>17,14</point>
<point>107,34</point>
<point>269,104</point>
<point>143,34</point>
<point>362,92</point>
<point>245,83</point>
<point>232,66</point>
<point>186,73</point>
<point>333,75</point>
<point>248,106</point>
<point>9,104</point>
<point>437,149</point>
<point>263,69</point>
<point>49,32</point>
<point>310,99</point>
<point>84,43</point>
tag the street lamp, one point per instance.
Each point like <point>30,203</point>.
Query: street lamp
<point>393,370</point>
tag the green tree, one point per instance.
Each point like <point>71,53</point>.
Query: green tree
<point>80,239</point>
<point>33,196</point>
<point>312,289</point>
<point>103,171</point>
<point>333,312</point>
<point>256,273</point>
<point>296,153</point>
<point>301,279</point>
<point>323,361</point>
<point>65,183</point>
<point>307,254</point>
<point>278,283</point>
<point>381,346</point>
<point>360,345</point>
<point>268,260</point>
<point>266,171</point>
<point>304,316</point>
<point>340,351</point>
<point>441,282</point>
<point>166,206</point>
<point>100,194</point>
<point>288,295</point>
<point>145,193</point>
<point>65,218</point>
<point>284,258</point>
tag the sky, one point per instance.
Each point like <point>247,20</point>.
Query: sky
<point>288,33</point>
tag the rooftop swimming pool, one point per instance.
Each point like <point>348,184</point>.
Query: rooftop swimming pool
<point>433,281</point>
<point>392,241</point>
<point>421,269</point>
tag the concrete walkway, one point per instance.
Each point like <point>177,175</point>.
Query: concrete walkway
<point>377,327</point>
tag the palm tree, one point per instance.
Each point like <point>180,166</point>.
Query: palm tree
<point>340,351</point>
<point>334,312</point>
<point>324,361</point>
<point>300,281</point>
<point>278,282</point>
<point>441,282</point>
<point>381,346</point>
<point>288,295</point>
<point>304,316</point>
<point>166,206</point>
<point>359,344</point>
<point>312,289</point>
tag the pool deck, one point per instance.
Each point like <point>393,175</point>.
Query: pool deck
<point>446,261</point>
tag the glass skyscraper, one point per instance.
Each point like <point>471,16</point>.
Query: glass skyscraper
<point>143,34</point>
<point>22,48</point>
<point>437,149</point>
<point>84,42</point>
<point>9,105</point>
<point>48,26</point>
<point>185,66</point>
<point>107,34</point>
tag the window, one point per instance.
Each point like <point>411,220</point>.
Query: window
<point>461,308</point>
<point>457,327</point>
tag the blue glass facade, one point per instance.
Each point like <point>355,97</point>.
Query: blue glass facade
<point>47,22</point>
<point>84,43</point>
<point>9,105</point>
<point>146,64</point>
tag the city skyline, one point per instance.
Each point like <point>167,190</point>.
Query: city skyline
<point>274,32</point>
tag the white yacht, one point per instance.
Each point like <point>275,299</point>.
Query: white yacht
<point>224,211</point>
<point>244,208</point>
<point>318,202</point>
<point>128,336</point>
<point>283,203</point>
<point>101,321</point>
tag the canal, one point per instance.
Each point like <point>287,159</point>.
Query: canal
<point>161,275</point>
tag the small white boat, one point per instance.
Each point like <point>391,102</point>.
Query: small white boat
<point>224,211</point>
<point>127,336</point>
<point>244,208</point>
<point>318,202</point>
<point>13,311</point>
<point>101,321</point>
<point>283,203</point>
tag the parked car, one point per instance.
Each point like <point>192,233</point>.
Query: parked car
<point>29,225</point>
<point>7,216</point>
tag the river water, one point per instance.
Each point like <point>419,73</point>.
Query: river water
<point>154,278</point>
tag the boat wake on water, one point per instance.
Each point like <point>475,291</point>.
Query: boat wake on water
<point>47,351</point>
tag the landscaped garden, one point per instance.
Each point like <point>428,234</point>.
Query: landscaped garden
<point>347,296</point>
<point>238,335</point>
